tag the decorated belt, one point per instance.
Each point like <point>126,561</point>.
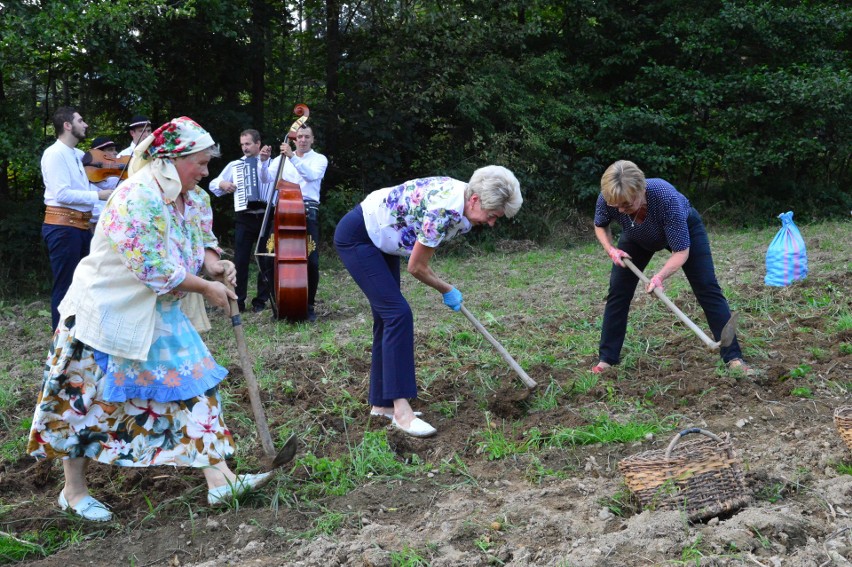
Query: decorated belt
<point>62,216</point>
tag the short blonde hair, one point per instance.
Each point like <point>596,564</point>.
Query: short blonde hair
<point>622,182</point>
<point>498,189</point>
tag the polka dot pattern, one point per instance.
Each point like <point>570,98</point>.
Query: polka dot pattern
<point>664,225</point>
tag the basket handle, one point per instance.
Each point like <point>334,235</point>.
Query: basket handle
<point>677,438</point>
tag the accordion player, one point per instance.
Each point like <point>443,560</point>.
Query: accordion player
<point>247,194</point>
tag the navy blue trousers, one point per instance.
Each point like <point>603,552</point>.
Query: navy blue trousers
<point>699,272</point>
<point>66,246</point>
<point>378,276</point>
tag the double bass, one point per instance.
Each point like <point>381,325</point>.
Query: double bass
<point>284,238</point>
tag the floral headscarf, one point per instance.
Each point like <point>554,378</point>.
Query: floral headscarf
<point>177,138</point>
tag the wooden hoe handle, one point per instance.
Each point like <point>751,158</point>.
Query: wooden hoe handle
<point>529,382</point>
<point>251,381</point>
<point>711,344</point>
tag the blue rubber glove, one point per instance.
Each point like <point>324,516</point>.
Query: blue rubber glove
<point>453,299</point>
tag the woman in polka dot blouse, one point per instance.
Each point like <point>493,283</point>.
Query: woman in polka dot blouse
<point>653,216</point>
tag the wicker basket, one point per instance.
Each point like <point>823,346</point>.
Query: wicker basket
<point>843,422</point>
<point>701,477</point>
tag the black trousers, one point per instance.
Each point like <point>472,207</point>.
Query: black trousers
<point>248,224</point>
<point>700,273</point>
<point>312,222</point>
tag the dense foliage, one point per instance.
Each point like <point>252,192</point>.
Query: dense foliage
<point>742,104</point>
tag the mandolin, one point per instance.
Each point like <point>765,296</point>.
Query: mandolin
<point>103,166</point>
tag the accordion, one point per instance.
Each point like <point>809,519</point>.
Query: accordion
<point>248,187</point>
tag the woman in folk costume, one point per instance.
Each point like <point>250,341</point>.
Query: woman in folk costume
<point>128,380</point>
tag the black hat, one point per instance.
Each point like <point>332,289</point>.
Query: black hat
<point>102,142</point>
<point>138,120</point>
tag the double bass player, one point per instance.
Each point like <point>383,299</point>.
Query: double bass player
<point>305,167</point>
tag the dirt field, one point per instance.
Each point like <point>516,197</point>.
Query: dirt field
<point>552,507</point>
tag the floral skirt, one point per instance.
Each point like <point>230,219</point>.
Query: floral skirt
<point>72,420</point>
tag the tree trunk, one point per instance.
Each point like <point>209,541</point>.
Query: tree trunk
<point>332,11</point>
<point>259,41</point>
<point>4,164</point>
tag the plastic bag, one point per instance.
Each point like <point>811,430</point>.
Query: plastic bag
<point>786,258</point>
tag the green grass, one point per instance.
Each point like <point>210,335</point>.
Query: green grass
<point>370,460</point>
<point>408,557</point>
<point>326,524</point>
<point>495,444</point>
<point>32,545</point>
<point>622,503</point>
<point>843,468</point>
<point>693,553</point>
<point>14,549</point>
<point>844,322</point>
<point>771,492</point>
<point>585,382</point>
<point>548,399</point>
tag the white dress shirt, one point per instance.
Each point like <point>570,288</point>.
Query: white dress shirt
<point>307,171</point>
<point>65,181</point>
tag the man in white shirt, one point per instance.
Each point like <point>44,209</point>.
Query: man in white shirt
<point>248,223</point>
<point>138,128</point>
<point>307,168</point>
<point>69,199</point>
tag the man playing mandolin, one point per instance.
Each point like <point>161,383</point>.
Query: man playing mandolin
<point>102,157</point>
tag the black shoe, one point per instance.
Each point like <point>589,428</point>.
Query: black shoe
<point>258,307</point>
<point>241,306</point>
<point>312,315</point>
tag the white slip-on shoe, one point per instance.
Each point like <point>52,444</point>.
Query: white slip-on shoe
<point>390,415</point>
<point>244,483</point>
<point>418,428</point>
<point>88,508</point>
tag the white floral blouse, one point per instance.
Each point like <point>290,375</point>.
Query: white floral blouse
<point>428,210</point>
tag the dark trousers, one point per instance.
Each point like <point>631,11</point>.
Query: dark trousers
<point>248,226</point>
<point>66,246</point>
<point>312,222</point>
<point>699,272</point>
<point>377,274</point>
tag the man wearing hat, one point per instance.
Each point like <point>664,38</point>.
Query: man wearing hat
<point>104,144</point>
<point>107,146</point>
<point>138,128</point>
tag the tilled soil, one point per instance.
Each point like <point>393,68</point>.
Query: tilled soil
<point>506,511</point>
